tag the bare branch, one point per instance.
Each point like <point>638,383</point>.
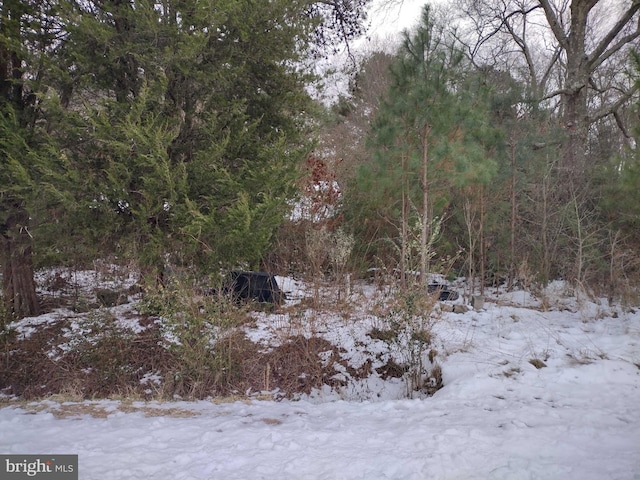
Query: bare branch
<point>623,41</point>
<point>620,123</point>
<point>521,41</point>
<point>600,53</point>
<point>554,23</point>
<point>612,109</point>
<point>547,74</point>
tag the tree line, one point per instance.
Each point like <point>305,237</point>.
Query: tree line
<point>501,145</point>
<point>497,140</point>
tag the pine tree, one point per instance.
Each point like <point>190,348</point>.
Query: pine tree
<point>431,137</point>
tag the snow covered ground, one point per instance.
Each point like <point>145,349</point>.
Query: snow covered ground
<point>534,388</point>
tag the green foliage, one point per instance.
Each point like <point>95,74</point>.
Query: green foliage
<point>16,174</point>
<point>628,192</point>
<point>158,130</point>
<point>620,181</point>
<point>137,188</point>
<point>178,130</point>
<point>33,176</point>
<point>620,184</point>
<point>233,210</point>
<point>435,109</point>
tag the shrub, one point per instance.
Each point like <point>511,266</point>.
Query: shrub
<point>199,332</point>
<point>408,321</point>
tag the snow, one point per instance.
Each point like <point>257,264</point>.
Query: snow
<point>498,416</point>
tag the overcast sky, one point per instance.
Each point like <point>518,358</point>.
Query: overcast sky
<point>388,19</point>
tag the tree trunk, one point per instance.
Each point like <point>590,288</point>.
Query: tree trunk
<point>481,241</point>
<point>580,66</point>
<point>426,218</point>
<point>405,226</point>
<point>514,207</point>
<point>575,116</point>
<point>18,285</point>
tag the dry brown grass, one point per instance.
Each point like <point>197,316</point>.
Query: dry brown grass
<point>105,360</point>
<point>536,362</point>
<point>62,407</point>
<point>112,365</point>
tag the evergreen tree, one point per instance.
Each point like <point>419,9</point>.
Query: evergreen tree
<point>197,139</point>
<point>171,126</point>
<point>431,138</point>
<point>28,31</point>
<point>157,127</point>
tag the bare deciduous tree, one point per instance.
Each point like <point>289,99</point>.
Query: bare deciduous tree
<point>565,50</point>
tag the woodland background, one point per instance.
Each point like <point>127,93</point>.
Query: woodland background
<point>497,140</point>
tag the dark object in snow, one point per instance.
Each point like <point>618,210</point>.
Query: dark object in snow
<point>443,292</point>
<point>258,286</point>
